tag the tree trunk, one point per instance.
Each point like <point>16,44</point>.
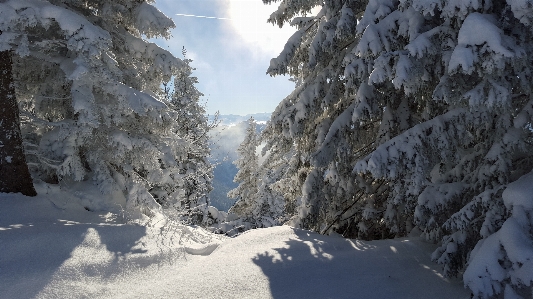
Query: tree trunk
<point>14,173</point>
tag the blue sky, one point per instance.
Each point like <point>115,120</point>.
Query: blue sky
<point>230,56</point>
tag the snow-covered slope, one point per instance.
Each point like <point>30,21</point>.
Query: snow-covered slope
<point>51,247</point>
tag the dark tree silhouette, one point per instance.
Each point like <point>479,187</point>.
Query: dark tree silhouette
<point>14,172</point>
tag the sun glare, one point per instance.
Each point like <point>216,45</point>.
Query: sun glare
<point>249,21</point>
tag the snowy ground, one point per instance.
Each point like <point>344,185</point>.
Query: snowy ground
<point>53,248</point>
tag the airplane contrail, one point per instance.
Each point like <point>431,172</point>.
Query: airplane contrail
<point>205,17</point>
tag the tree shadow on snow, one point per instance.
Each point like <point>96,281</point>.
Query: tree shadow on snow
<point>32,254</point>
<point>315,266</point>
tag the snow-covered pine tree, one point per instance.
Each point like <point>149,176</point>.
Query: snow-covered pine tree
<point>247,174</point>
<point>431,102</point>
<point>279,171</point>
<point>196,170</point>
<point>89,89</point>
<point>311,129</point>
<point>268,208</point>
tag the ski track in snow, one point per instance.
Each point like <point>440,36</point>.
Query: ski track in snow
<point>68,252</point>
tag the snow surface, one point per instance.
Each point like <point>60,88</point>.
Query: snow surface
<point>52,247</point>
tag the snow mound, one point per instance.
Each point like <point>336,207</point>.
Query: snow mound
<point>202,249</point>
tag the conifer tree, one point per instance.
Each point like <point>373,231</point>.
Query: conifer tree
<point>247,174</point>
<point>413,113</point>
<point>194,166</point>
<point>88,84</point>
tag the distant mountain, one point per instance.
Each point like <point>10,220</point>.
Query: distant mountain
<point>232,119</point>
<point>225,140</point>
